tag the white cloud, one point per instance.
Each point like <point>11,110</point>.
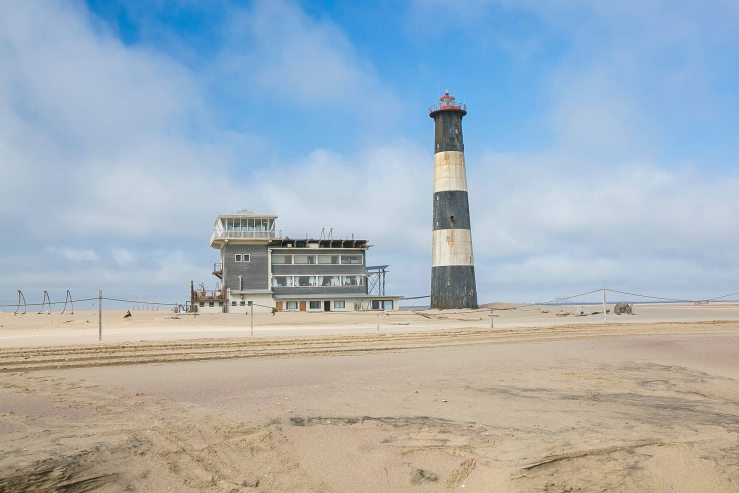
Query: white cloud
<point>123,257</point>
<point>104,144</point>
<point>276,50</point>
<point>76,255</point>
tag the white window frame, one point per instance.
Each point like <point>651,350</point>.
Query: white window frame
<point>314,285</point>
<point>306,263</point>
<point>237,257</point>
<point>352,255</point>
<point>310,303</point>
<point>336,304</point>
<point>291,285</point>
<point>288,307</point>
<point>361,280</point>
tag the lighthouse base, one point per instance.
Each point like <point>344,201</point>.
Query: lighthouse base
<point>453,286</point>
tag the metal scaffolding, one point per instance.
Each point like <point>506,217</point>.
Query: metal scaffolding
<point>376,279</point>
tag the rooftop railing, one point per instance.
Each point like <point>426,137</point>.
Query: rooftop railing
<point>453,107</point>
<point>256,235</point>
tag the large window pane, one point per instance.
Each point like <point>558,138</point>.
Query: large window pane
<point>329,281</point>
<point>292,305</point>
<point>304,259</point>
<point>305,281</point>
<point>315,305</point>
<point>328,259</point>
<point>351,259</point>
<point>387,305</point>
<point>339,304</point>
<point>282,281</point>
<point>353,280</point>
<point>282,259</point>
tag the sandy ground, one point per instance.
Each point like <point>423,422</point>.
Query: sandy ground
<point>82,327</point>
<point>325,403</point>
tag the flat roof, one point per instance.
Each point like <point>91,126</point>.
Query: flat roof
<point>330,296</point>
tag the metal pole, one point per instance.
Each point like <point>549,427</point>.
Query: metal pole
<point>100,315</point>
<point>252,318</point>
<point>604,306</point>
<point>378,322</point>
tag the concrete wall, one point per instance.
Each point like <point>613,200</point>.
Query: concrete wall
<point>263,303</point>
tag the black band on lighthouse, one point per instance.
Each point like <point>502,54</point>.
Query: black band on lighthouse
<point>448,131</point>
<point>453,287</point>
<point>452,203</point>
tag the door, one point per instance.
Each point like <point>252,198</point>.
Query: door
<point>279,305</point>
<point>326,306</point>
<point>302,306</point>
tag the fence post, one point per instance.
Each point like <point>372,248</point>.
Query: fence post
<point>100,315</point>
<point>378,322</point>
<point>251,305</point>
<point>604,306</point>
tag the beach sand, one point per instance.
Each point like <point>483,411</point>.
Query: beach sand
<point>436,401</point>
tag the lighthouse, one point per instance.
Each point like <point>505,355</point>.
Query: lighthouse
<point>452,264</point>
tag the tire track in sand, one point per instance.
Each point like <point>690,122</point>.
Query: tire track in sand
<point>147,352</point>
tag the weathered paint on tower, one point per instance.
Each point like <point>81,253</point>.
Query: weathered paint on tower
<point>452,264</point>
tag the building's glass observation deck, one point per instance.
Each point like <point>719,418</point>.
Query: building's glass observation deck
<point>246,225</point>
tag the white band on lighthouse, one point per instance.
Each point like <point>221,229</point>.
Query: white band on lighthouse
<point>451,247</point>
<point>449,171</point>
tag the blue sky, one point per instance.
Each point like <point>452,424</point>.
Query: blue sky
<point>600,141</point>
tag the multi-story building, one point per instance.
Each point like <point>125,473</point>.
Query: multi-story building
<point>260,266</point>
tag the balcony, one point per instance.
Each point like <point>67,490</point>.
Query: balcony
<point>221,236</point>
<point>448,107</point>
<point>218,270</point>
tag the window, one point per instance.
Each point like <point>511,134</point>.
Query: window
<point>315,305</point>
<point>282,259</point>
<point>241,257</point>
<point>305,259</point>
<point>292,305</point>
<point>339,304</point>
<point>245,258</point>
<point>382,304</point>
<point>210,303</point>
<point>202,303</point>
<point>353,280</point>
<point>238,258</point>
<point>304,281</point>
<point>282,281</point>
<point>242,303</point>
<point>329,281</point>
<point>328,259</point>
<point>220,303</point>
<point>351,259</point>
<point>233,303</point>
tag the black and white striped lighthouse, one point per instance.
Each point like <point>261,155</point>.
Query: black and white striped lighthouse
<point>452,265</point>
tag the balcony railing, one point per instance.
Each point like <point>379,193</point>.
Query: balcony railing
<point>218,270</point>
<point>256,235</point>
<point>453,107</point>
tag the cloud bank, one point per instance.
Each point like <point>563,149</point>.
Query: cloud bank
<point>114,159</point>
